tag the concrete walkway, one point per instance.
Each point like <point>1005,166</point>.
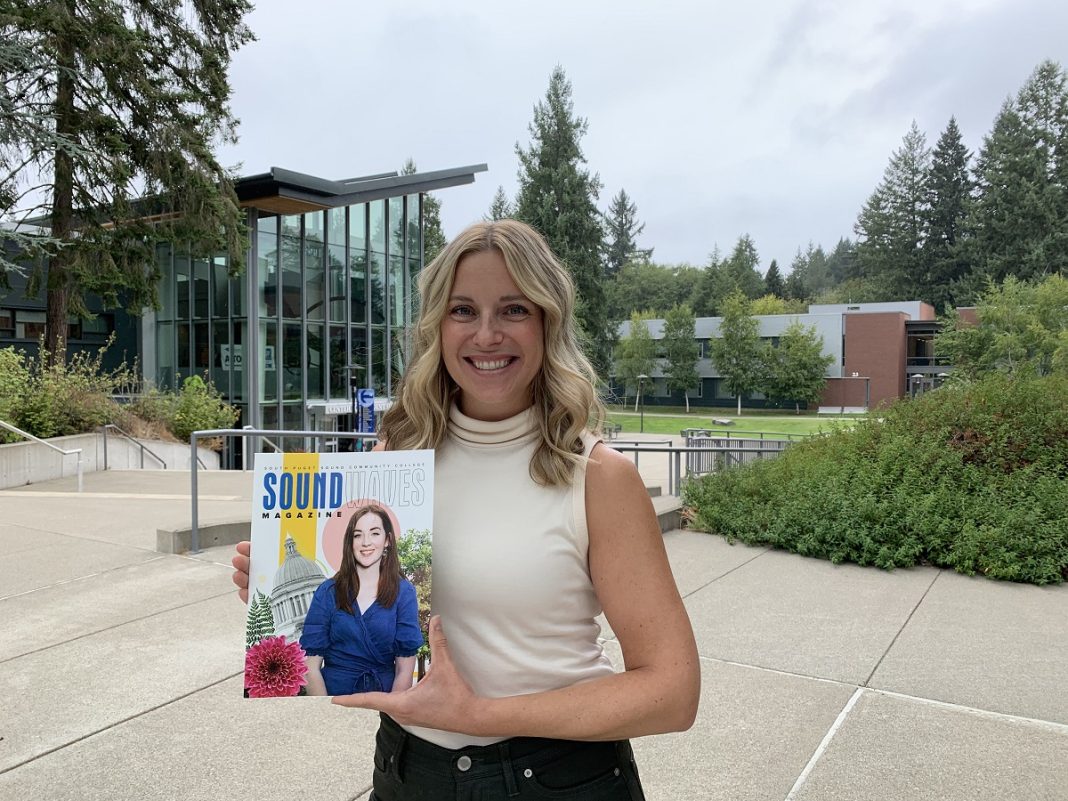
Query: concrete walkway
<point>120,671</point>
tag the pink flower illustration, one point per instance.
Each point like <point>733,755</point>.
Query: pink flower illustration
<point>274,668</point>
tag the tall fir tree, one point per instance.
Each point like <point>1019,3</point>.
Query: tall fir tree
<point>681,351</point>
<point>773,282</point>
<point>743,268</point>
<point>139,92</point>
<point>434,240</point>
<point>558,196</point>
<point>501,207</point>
<point>892,225</point>
<point>949,191</point>
<point>1019,224</point>
<point>622,230</point>
<point>737,352</point>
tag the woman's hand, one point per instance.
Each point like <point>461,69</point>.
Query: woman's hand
<point>442,700</point>
<point>240,563</point>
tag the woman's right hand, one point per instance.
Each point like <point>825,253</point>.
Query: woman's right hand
<point>240,563</point>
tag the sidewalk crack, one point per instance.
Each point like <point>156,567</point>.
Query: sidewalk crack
<point>903,625</point>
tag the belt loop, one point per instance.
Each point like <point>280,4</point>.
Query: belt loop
<point>506,767</point>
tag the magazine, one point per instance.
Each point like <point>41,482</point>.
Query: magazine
<point>308,511</point>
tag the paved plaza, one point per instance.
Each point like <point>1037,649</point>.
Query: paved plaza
<point>120,671</point>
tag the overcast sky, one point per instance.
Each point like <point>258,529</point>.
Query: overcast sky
<point>773,118</point>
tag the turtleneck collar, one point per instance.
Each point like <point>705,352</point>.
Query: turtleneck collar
<point>498,432</point>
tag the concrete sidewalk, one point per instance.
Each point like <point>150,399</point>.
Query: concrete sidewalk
<point>120,671</point>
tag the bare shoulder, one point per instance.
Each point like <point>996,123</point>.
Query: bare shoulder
<point>379,446</point>
<point>610,471</point>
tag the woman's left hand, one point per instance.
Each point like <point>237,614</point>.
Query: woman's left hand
<point>442,700</point>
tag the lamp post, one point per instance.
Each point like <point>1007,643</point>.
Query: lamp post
<point>641,399</point>
<point>917,379</point>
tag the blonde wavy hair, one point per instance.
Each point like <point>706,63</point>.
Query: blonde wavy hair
<point>564,398</point>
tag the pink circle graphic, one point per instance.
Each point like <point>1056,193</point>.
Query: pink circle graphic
<point>334,529</point>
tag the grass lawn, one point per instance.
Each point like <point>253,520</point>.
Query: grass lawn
<point>659,422</point>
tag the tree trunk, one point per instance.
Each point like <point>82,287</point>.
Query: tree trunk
<point>739,405</point>
<point>636,396</point>
<point>687,399</point>
<point>58,282</point>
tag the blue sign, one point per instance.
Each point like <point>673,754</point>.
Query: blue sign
<point>365,398</point>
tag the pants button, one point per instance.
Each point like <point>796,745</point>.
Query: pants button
<point>463,764</point>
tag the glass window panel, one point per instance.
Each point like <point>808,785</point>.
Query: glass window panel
<point>335,226</point>
<point>291,294</point>
<point>358,285</point>
<point>413,239</point>
<point>291,361</point>
<point>377,225</point>
<point>200,348</point>
<point>29,324</point>
<point>201,284</point>
<point>378,361</point>
<point>269,416</point>
<point>413,289</point>
<point>165,365</point>
<point>358,226</point>
<point>378,288</point>
<point>181,274</point>
<point>316,367</point>
<point>237,362</point>
<point>358,354</point>
<point>396,290</point>
<point>267,267</point>
<point>396,226</point>
<point>400,349</point>
<point>184,360</point>
<point>268,361</point>
<point>268,223</point>
<point>220,358</point>
<point>313,226</point>
<point>166,284</point>
<point>291,225</point>
<point>339,377</point>
<point>237,294</point>
<point>335,265</point>
<point>292,420</point>
<point>314,278</point>
<point>7,323</point>
<point>220,279</point>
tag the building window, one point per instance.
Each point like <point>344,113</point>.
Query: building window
<point>29,324</point>
<point>698,392</point>
<point>7,323</point>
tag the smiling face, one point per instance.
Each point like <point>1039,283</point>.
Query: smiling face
<point>368,540</point>
<point>492,340</point>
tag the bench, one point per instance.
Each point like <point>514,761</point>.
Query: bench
<point>611,430</point>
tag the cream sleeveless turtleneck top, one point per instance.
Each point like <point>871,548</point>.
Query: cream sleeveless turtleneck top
<point>511,577</point>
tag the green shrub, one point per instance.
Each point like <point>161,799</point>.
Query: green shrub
<point>200,407</point>
<point>14,385</point>
<point>970,477</point>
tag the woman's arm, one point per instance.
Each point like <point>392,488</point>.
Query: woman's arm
<point>658,691</point>
<point>405,674</point>
<point>316,685</point>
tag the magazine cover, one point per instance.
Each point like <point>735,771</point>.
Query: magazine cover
<point>323,525</point>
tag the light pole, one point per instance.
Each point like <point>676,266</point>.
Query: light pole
<point>917,379</point>
<point>641,399</point>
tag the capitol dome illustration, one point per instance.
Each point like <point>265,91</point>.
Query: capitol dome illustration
<point>294,585</point>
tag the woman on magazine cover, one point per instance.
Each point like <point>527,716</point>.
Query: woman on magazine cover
<point>538,527</point>
<point>361,633</point>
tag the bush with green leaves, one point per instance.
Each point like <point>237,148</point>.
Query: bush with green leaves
<point>972,477</point>
<point>200,407</point>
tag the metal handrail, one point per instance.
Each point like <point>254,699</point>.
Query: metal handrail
<point>675,456</point>
<point>274,447</point>
<point>776,435</point>
<point>251,433</point>
<point>27,435</point>
<point>141,445</point>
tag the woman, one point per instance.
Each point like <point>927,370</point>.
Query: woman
<point>538,527</point>
<point>361,633</point>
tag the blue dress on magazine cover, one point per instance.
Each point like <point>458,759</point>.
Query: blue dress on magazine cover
<point>359,650</point>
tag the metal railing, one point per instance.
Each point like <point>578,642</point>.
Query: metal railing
<point>135,441</point>
<point>701,460</point>
<point>32,438</point>
<point>250,434</point>
<point>726,434</point>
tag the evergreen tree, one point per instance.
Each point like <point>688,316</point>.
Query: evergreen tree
<point>557,196</point>
<point>434,240</point>
<point>842,262</point>
<point>736,352</point>
<point>773,282</point>
<point>712,287</point>
<point>796,370</point>
<point>742,268</point>
<point>649,286</point>
<point>622,231</point>
<point>892,224</point>
<point>501,208</point>
<point>1019,224</point>
<point>950,188</point>
<point>260,620</point>
<point>116,116</point>
<point>635,355</point>
<point>681,351</point>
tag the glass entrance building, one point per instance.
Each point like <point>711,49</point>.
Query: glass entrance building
<point>325,303</point>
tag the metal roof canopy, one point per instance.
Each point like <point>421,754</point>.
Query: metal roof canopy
<point>286,191</point>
